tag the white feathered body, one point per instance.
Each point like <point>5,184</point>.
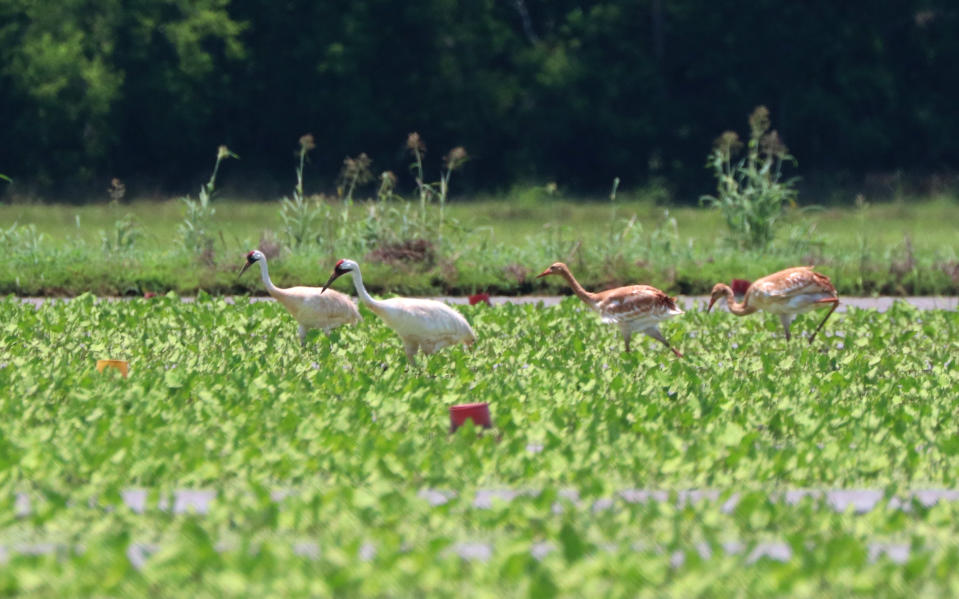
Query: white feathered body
<point>313,310</point>
<point>423,324</point>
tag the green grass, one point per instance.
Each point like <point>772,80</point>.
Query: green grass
<point>221,397</point>
<point>497,245</point>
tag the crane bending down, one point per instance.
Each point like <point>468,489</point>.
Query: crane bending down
<point>309,306</point>
<point>633,308</point>
<point>786,293</point>
<point>422,324</point>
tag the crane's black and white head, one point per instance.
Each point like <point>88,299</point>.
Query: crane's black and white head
<point>342,267</point>
<point>251,258</point>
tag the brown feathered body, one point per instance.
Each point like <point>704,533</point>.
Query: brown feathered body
<point>634,308</point>
<point>791,291</point>
<point>786,293</point>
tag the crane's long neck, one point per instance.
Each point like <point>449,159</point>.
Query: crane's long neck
<point>361,292</point>
<point>740,309</point>
<point>272,289</point>
<point>591,299</point>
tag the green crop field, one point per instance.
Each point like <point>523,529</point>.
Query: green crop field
<point>233,462</point>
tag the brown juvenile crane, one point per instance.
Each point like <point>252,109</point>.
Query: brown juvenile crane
<point>786,293</point>
<point>635,308</point>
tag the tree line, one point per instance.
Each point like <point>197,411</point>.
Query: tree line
<point>568,91</point>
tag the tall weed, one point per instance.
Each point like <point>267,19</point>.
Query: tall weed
<point>300,216</point>
<point>750,189</point>
<point>123,238</point>
<point>196,229</point>
<point>355,171</point>
<point>22,239</point>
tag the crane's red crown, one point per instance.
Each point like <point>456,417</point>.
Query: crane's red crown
<point>338,265</point>
<point>249,257</point>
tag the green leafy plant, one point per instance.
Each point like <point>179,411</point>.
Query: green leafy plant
<point>123,238</point>
<point>22,239</point>
<point>196,229</point>
<point>751,191</point>
<point>197,474</point>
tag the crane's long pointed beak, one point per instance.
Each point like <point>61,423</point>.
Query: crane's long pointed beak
<point>332,278</point>
<point>712,301</point>
<point>243,270</point>
<point>543,274</point>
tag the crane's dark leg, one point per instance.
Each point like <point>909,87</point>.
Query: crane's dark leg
<point>658,336</point>
<point>786,319</point>
<point>835,304</point>
<point>627,335</point>
<point>411,348</point>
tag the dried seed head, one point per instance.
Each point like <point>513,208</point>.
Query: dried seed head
<point>924,17</point>
<point>223,152</point>
<point>387,184</point>
<point>771,145</point>
<point>456,157</point>
<point>759,121</point>
<point>307,143</point>
<point>117,189</point>
<point>357,168</point>
<point>728,142</point>
<point>414,143</point>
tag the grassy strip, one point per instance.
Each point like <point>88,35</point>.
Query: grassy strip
<point>489,245</point>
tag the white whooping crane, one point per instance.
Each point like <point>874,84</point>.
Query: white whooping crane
<point>422,324</point>
<point>311,308</point>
